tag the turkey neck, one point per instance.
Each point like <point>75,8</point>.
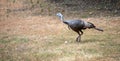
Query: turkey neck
<point>62,19</point>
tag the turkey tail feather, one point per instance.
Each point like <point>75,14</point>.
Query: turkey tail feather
<point>98,29</point>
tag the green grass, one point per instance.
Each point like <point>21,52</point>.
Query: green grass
<point>14,39</point>
<point>53,48</point>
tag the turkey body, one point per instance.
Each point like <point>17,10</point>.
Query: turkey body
<point>75,25</point>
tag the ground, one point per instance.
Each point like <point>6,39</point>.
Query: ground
<point>43,38</point>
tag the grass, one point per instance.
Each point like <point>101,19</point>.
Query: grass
<point>54,49</point>
<point>8,39</point>
<point>37,45</point>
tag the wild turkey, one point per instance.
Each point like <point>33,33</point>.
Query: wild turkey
<point>78,25</point>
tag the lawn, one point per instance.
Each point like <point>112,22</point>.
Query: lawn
<point>42,38</point>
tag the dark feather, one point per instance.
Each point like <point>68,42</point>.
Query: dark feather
<point>99,29</point>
